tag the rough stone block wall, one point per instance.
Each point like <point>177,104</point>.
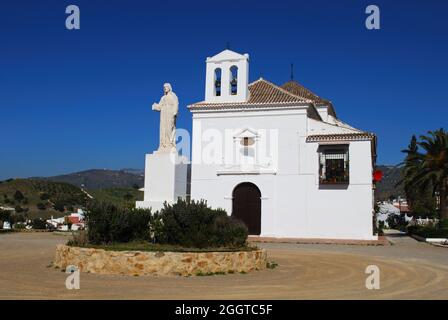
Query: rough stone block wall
<point>158,263</point>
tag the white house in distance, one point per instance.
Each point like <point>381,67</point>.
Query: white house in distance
<point>278,158</point>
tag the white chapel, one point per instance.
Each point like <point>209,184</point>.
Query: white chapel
<point>278,158</point>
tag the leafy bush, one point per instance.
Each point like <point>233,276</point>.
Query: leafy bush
<point>12,218</point>
<point>4,216</point>
<point>184,224</point>
<point>39,224</point>
<point>397,222</point>
<point>194,224</point>
<point>436,231</point>
<point>19,226</point>
<point>108,223</point>
<point>443,224</point>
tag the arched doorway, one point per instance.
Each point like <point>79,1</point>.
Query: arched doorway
<point>246,206</point>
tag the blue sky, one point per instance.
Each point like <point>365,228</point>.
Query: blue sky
<point>75,100</point>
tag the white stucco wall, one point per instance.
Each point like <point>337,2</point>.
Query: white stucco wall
<point>165,180</point>
<point>293,204</point>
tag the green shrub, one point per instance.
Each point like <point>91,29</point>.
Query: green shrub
<point>19,226</point>
<point>429,231</point>
<point>194,224</point>
<point>183,224</point>
<point>39,224</point>
<point>4,216</point>
<point>397,222</point>
<point>108,223</point>
<point>443,224</point>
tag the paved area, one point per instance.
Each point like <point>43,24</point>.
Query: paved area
<point>409,270</point>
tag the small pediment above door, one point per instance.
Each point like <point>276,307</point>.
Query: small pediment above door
<point>246,133</point>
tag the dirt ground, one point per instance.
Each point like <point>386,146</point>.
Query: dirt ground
<point>408,270</point>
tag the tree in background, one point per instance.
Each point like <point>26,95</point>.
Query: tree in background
<point>4,216</point>
<point>11,218</point>
<point>59,206</point>
<point>425,173</point>
<point>18,196</point>
<point>39,224</point>
<point>422,202</point>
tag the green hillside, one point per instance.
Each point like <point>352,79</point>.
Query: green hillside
<point>102,178</point>
<point>117,196</point>
<point>40,198</point>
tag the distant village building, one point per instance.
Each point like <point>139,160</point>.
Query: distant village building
<point>402,206</point>
<point>76,219</point>
<point>10,209</point>
<point>6,225</point>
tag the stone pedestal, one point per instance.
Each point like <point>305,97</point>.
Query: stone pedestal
<point>165,179</point>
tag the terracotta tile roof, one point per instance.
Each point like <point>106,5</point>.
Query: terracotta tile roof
<point>297,89</point>
<point>340,137</point>
<point>402,207</point>
<point>264,93</point>
<point>73,220</point>
<point>261,92</point>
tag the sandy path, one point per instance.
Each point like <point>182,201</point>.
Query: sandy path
<point>304,272</point>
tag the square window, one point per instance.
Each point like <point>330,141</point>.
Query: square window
<point>333,164</point>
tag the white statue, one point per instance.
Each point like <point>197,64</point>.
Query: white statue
<point>168,107</point>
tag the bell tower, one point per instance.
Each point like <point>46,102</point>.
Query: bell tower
<point>227,77</point>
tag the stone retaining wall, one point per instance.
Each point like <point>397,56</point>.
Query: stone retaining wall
<point>158,263</point>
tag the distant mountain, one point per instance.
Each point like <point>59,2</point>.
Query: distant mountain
<point>102,178</point>
<point>127,178</point>
<point>387,186</point>
<point>139,172</point>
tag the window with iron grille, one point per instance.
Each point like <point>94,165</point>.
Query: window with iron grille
<point>333,164</point>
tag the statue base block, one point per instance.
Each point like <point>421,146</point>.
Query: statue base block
<point>165,179</point>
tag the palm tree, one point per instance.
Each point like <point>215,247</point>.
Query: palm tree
<point>428,170</point>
